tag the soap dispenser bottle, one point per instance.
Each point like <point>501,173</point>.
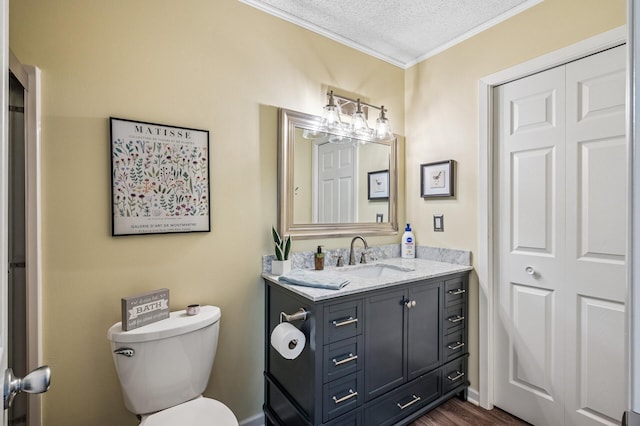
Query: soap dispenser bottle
<point>408,246</point>
<point>319,259</point>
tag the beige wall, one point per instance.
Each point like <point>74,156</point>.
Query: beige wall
<point>213,65</point>
<point>442,115</point>
<point>197,63</point>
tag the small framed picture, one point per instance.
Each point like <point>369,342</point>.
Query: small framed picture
<point>378,185</point>
<point>437,179</point>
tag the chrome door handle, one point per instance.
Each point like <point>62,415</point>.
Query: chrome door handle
<point>348,321</point>
<point>457,291</point>
<point>348,396</point>
<point>37,381</point>
<point>349,358</point>
<point>455,319</point>
<point>413,401</point>
<point>458,376</point>
<point>456,345</point>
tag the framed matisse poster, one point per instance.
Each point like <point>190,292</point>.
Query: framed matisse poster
<point>159,178</point>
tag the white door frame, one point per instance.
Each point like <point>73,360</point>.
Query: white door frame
<point>486,260</point>
<point>4,190</point>
<point>30,76</point>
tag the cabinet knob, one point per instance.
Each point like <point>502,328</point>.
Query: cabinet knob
<point>410,304</point>
<point>529,270</point>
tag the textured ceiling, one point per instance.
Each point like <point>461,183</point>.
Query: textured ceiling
<point>402,32</point>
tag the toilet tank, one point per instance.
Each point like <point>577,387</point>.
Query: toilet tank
<point>165,363</point>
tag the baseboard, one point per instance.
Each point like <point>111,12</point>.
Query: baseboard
<point>473,396</point>
<point>256,420</point>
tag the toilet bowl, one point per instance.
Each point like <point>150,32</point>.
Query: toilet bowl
<point>164,368</point>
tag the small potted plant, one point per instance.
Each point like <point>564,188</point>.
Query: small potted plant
<point>281,264</point>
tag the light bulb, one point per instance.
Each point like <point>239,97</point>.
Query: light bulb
<point>383,128</point>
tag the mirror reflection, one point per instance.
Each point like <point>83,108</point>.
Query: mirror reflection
<point>332,185</point>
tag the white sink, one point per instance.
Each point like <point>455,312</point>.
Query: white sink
<point>375,270</point>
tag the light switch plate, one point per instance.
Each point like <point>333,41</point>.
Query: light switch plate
<point>438,222</point>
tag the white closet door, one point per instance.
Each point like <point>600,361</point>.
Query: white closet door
<point>529,325</point>
<point>596,170</point>
<point>561,201</point>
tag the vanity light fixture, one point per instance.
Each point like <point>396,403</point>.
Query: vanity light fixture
<point>357,130</point>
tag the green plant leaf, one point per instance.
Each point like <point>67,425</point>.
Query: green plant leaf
<point>279,254</point>
<point>276,236</point>
<point>287,247</point>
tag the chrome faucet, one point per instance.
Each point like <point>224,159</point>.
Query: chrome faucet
<point>352,257</point>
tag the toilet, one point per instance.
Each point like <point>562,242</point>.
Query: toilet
<point>164,367</point>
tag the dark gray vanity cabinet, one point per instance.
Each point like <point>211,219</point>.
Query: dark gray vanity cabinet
<point>379,357</point>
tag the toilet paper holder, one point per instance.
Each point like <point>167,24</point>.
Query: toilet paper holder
<point>300,314</point>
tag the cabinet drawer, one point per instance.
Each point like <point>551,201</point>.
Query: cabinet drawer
<point>342,320</point>
<point>454,374</point>
<point>454,345</point>
<point>348,420</point>
<point>454,318</point>
<point>454,291</point>
<point>404,401</point>
<point>342,395</point>
<point>342,358</point>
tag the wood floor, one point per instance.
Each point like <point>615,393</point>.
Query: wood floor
<point>455,412</point>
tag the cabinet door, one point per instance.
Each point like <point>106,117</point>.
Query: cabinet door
<point>384,342</point>
<point>423,328</point>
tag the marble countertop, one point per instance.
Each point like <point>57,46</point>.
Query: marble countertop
<point>414,269</point>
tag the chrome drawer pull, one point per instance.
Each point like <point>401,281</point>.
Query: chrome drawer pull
<point>348,321</point>
<point>415,399</point>
<point>455,319</point>
<point>457,291</point>
<point>349,358</point>
<point>350,395</point>
<point>458,376</point>
<point>455,346</point>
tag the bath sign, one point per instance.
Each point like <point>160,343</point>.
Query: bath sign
<point>145,309</point>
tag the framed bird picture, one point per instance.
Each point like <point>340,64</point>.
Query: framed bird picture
<point>378,185</point>
<point>437,179</point>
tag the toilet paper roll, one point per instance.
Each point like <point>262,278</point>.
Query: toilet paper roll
<point>287,340</point>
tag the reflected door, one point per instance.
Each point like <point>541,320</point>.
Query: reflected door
<point>335,189</point>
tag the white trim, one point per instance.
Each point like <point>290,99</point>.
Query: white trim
<point>633,291</point>
<point>30,77</point>
<point>485,271</point>
<point>393,61</point>
<point>4,189</point>
<point>255,420</point>
<point>473,396</point>
<point>33,120</point>
<point>323,32</point>
<point>477,30</point>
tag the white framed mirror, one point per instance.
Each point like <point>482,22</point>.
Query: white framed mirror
<point>331,187</point>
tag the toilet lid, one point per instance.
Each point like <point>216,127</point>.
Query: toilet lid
<point>197,412</point>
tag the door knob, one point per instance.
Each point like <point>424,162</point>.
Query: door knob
<point>37,381</point>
